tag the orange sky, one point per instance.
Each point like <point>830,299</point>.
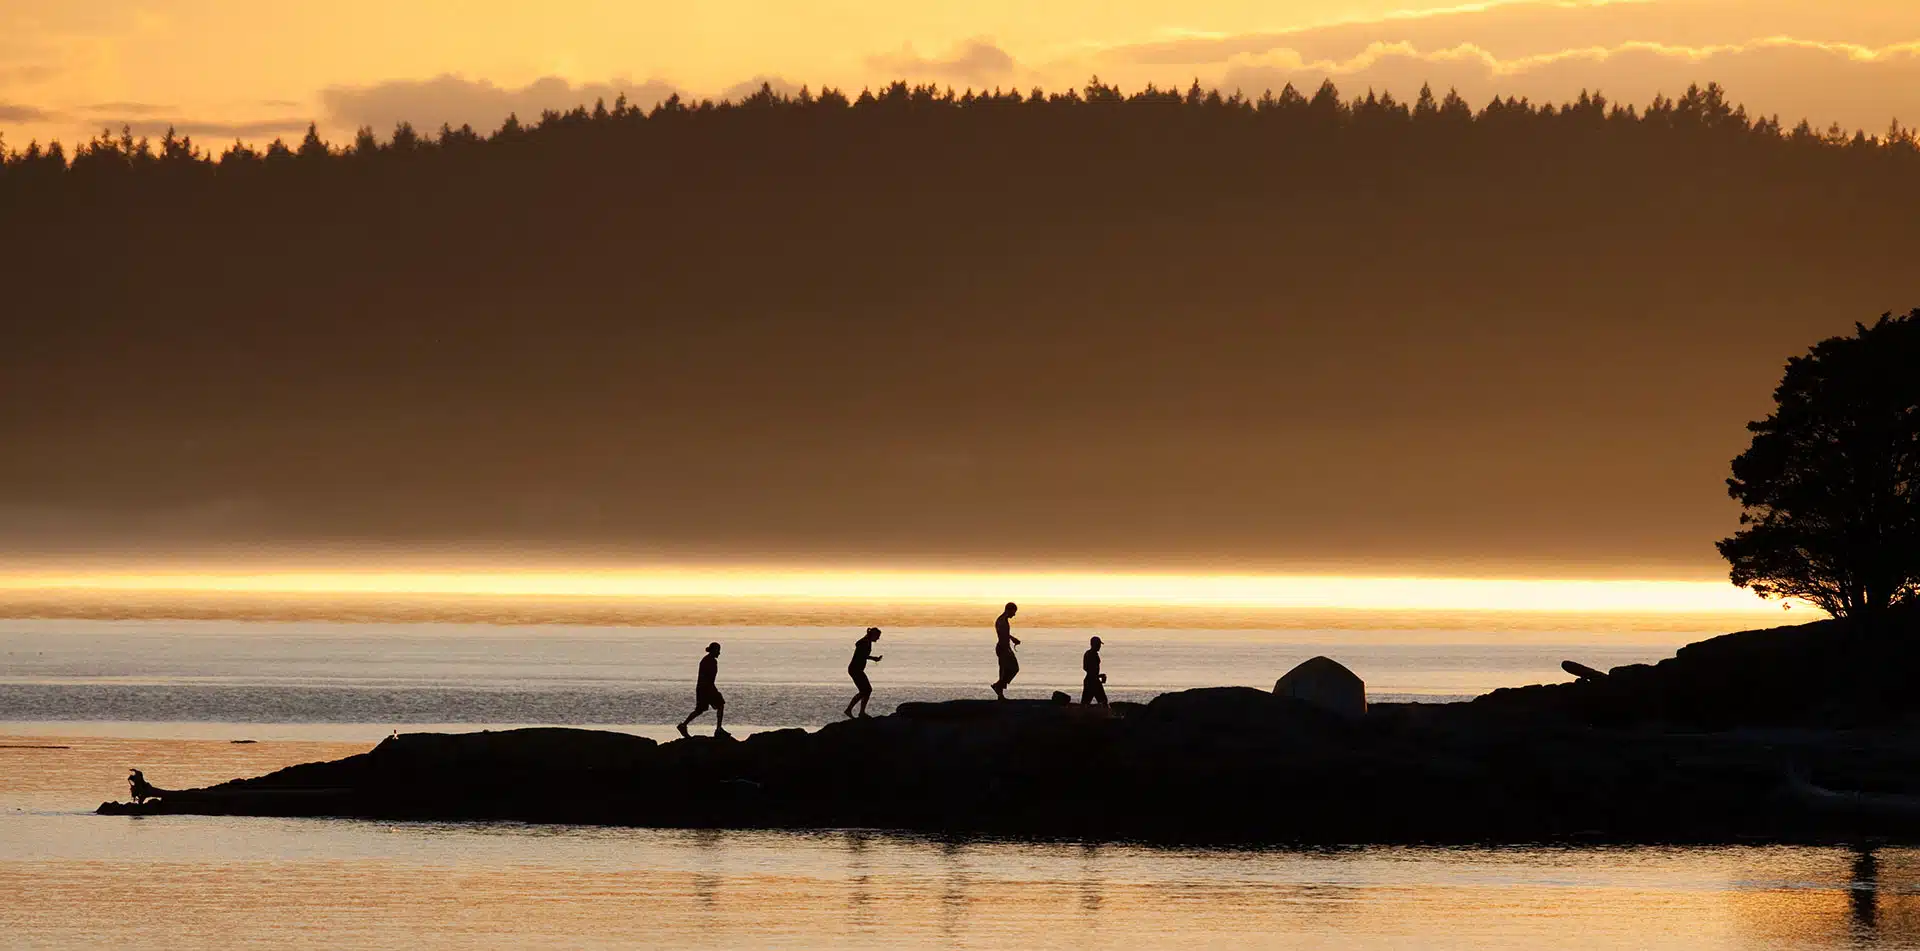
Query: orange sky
<point>762,584</point>
<point>227,68</point>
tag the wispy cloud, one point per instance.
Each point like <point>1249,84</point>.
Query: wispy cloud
<point>1857,86</point>
<point>975,61</point>
<point>456,100</point>
<point>15,112</point>
<point>249,130</point>
<point>1856,63</point>
<point>1533,27</point>
<point>130,108</point>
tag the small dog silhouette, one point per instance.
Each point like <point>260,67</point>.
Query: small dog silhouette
<point>141,790</point>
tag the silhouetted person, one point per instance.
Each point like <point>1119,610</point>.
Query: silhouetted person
<point>1003,646</point>
<point>857,669</point>
<point>1094,688</point>
<point>707,694</point>
<point>140,789</point>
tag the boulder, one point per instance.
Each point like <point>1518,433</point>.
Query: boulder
<point>1327,684</point>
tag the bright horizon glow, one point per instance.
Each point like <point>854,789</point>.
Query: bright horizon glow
<point>1084,588</point>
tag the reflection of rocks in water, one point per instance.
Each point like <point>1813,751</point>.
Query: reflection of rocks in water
<point>860,914</point>
<point>1092,884</point>
<point>1867,897</point>
<point>1865,890</point>
<point>1886,897</point>
<point>956,890</point>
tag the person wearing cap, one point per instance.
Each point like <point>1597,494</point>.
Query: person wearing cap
<point>706,694</point>
<point>1003,645</point>
<point>1094,688</point>
<point>857,669</point>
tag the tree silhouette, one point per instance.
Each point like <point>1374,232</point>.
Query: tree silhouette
<point>421,333</point>
<point>1829,483</point>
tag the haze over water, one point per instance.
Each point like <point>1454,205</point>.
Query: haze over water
<point>169,696</point>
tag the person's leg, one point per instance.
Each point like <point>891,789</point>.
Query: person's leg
<point>702,703</point>
<point>1100,691</point>
<point>1087,687</point>
<point>719,714</point>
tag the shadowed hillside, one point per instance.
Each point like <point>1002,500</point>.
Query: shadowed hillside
<point>1158,327</point>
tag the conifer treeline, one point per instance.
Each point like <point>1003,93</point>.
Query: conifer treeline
<point>1066,325</point>
<point>1700,110</point>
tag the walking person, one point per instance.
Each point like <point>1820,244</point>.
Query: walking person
<point>1003,645</point>
<point>1094,688</point>
<point>706,694</point>
<point>857,669</point>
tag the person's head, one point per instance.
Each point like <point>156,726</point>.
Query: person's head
<point>873,633</point>
<point>1012,609</point>
<point>1094,642</point>
<point>714,648</point>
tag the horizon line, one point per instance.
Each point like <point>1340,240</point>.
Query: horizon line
<point>1081,588</point>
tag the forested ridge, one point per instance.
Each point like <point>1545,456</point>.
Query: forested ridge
<point>1278,329</point>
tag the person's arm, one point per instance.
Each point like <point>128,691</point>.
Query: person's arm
<point>877,658</point>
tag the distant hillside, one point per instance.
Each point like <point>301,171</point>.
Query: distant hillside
<point>1162,327</point>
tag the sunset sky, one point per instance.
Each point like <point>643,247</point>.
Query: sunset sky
<point>1539,420</point>
<point>221,69</point>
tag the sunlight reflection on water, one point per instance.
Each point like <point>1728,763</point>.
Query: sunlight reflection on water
<point>77,880</point>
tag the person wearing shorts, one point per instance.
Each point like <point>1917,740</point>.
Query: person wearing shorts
<point>1093,690</point>
<point>1003,646</point>
<point>706,694</point>
<point>857,669</point>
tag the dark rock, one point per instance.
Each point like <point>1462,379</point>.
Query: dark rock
<point>1823,674</point>
<point>1682,751</point>
<point>976,710</point>
<point>1325,683</point>
<point>1580,670</point>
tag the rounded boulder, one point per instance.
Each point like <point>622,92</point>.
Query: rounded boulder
<point>1327,684</point>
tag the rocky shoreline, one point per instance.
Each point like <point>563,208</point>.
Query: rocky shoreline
<point>1717,745</point>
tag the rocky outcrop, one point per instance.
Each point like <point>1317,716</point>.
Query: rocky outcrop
<point>1221,765</point>
<point>1822,675</point>
<point>1792,734</point>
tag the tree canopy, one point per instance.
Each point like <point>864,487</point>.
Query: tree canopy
<point>1168,325</point>
<point>1585,121</point>
<point>1831,483</point>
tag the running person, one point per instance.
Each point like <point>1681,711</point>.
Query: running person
<point>706,694</point>
<point>857,669</point>
<point>1094,688</point>
<point>1003,646</point>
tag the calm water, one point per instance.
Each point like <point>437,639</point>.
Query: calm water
<point>307,674</point>
<point>168,697</point>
